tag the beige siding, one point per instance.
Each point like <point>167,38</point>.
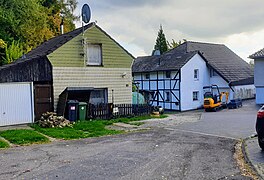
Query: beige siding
<point>97,77</point>
<point>73,53</point>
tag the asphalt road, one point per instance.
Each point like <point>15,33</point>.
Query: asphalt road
<point>231,123</point>
<point>154,154</point>
<point>200,149</point>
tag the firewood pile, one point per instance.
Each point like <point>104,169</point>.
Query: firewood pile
<point>51,120</point>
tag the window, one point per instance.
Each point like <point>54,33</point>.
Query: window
<point>168,74</point>
<point>147,76</point>
<point>98,96</point>
<point>213,73</point>
<point>167,96</point>
<point>195,96</point>
<point>196,74</point>
<point>94,54</point>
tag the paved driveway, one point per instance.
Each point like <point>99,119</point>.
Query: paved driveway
<point>231,123</point>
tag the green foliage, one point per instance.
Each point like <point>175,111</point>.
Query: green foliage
<point>2,50</point>
<point>12,52</point>
<point>173,44</point>
<point>23,136</point>
<point>3,144</point>
<point>2,44</point>
<point>32,22</point>
<point>161,42</point>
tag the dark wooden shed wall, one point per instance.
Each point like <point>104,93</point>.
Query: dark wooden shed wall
<point>34,70</point>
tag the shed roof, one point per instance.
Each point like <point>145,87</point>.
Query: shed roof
<point>227,64</point>
<point>258,55</point>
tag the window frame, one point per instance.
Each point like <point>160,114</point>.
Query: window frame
<point>87,54</point>
<point>196,74</point>
<point>195,95</point>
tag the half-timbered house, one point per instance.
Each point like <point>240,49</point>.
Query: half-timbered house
<point>175,79</point>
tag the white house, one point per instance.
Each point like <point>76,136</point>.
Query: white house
<point>258,75</point>
<point>176,78</point>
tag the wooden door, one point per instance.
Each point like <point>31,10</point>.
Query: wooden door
<point>43,99</point>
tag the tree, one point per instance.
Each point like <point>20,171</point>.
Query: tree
<point>31,22</point>
<point>161,42</point>
<point>13,52</point>
<point>173,44</point>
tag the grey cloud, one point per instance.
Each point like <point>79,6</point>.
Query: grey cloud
<point>197,19</point>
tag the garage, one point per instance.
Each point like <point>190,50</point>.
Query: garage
<point>17,103</point>
<point>25,90</point>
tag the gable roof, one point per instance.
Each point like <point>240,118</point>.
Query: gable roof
<point>224,61</point>
<point>54,43</point>
<point>167,61</point>
<point>257,55</point>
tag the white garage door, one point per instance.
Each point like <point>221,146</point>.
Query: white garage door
<point>16,103</point>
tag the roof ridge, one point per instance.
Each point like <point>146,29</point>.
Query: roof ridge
<point>209,43</point>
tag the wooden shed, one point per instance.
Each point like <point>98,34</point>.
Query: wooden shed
<point>37,70</point>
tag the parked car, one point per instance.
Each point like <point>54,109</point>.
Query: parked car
<point>260,127</point>
<point>234,103</point>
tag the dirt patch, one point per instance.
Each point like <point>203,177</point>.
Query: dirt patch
<point>245,168</point>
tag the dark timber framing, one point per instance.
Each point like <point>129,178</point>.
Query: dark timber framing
<point>171,85</point>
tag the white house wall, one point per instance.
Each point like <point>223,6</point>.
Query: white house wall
<point>258,80</point>
<point>244,91</point>
<point>189,84</point>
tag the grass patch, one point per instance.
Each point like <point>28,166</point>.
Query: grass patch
<point>60,133</point>
<point>81,129</point>
<point>23,136</point>
<point>94,128</point>
<point>3,144</point>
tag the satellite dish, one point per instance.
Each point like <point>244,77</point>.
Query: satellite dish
<point>86,13</point>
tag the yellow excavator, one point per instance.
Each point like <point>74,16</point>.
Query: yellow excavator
<point>213,99</point>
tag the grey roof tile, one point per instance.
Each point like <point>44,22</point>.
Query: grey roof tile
<point>257,55</point>
<point>224,61</point>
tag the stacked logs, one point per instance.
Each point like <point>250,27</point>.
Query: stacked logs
<point>51,120</point>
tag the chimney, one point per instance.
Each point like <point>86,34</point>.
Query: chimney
<point>61,26</point>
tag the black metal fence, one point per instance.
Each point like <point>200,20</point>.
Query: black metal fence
<point>110,111</point>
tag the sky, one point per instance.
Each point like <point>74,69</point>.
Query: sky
<point>239,24</point>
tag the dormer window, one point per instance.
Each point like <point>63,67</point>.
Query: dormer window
<point>94,54</point>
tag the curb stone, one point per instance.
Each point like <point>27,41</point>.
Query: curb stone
<point>246,157</point>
